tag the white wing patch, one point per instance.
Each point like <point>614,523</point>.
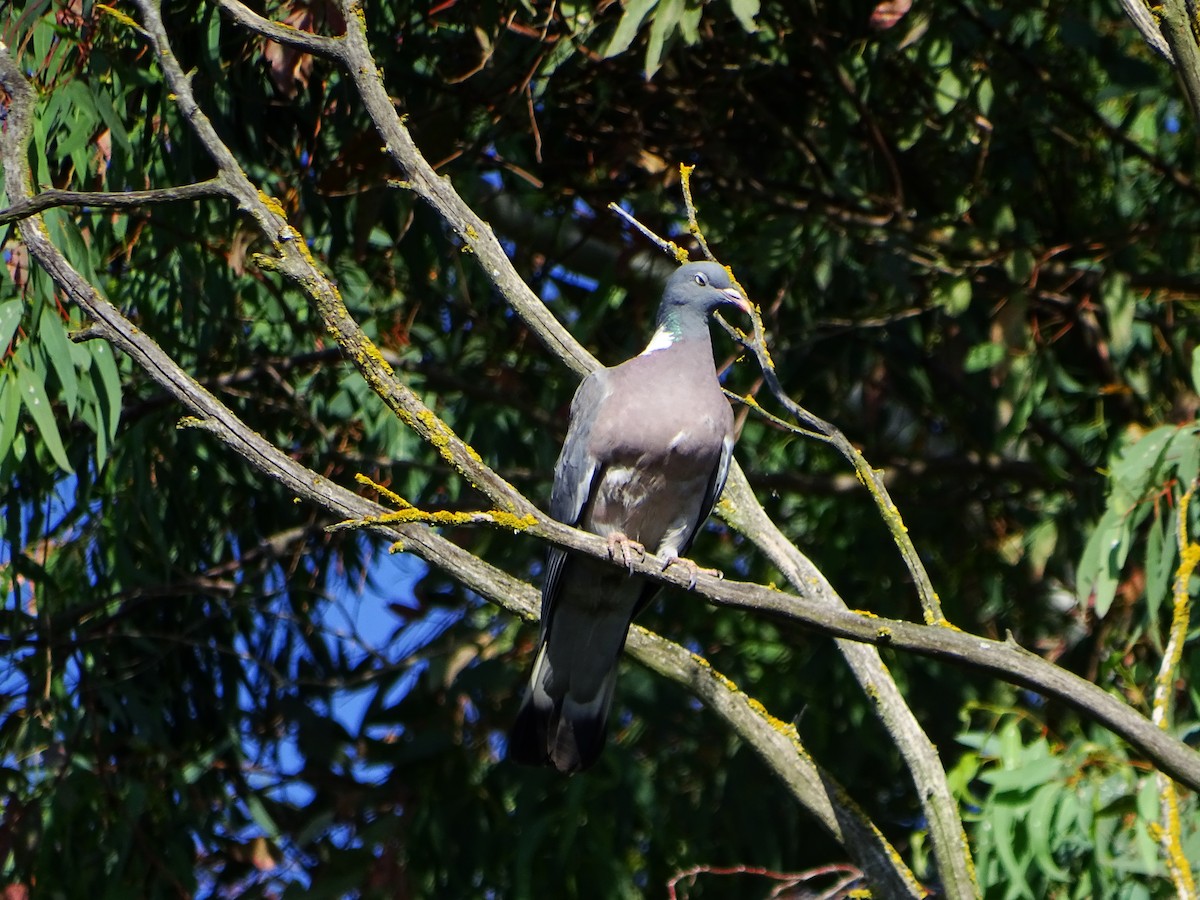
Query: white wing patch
<point>660,340</point>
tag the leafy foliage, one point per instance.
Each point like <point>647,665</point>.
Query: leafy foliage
<point>1061,819</point>
<point>972,236</point>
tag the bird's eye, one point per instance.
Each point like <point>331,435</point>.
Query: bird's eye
<point>701,280</point>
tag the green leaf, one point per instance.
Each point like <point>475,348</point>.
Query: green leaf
<point>984,94</point>
<point>1160,563</point>
<point>949,91</point>
<point>983,356</point>
<point>666,18</point>
<point>689,24</point>
<point>65,234</point>
<point>1025,778</point>
<point>955,297</point>
<point>1120,302</point>
<point>1019,265</point>
<point>1196,368</point>
<point>746,11</point>
<point>261,817</point>
<point>57,347</point>
<point>1136,470</point>
<point>627,29</point>
<point>10,318</point>
<point>1004,821</point>
<point>116,127</point>
<point>1103,556</point>
<point>10,413</point>
<point>1041,835</point>
<point>1040,542</point>
<point>33,395</point>
<point>1183,455</point>
<point>110,381</point>
<point>77,124</point>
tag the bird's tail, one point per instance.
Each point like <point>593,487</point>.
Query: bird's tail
<point>563,718</point>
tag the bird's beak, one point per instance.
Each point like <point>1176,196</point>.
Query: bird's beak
<point>738,299</point>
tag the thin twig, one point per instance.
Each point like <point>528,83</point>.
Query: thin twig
<point>668,247</point>
<point>318,45</point>
<point>685,180</point>
<point>787,880</point>
<point>110,199</point>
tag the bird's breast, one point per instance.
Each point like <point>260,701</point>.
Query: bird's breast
<point>654,476</point>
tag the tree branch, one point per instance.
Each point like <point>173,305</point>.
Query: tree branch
<point>316,44</point>
<point>1177,27</point>
<point>110,199</point>
<point>1143,20</point>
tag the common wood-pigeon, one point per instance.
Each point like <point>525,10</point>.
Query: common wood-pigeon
<point>645,459</point>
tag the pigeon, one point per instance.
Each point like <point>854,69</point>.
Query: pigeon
<point>644,462</point>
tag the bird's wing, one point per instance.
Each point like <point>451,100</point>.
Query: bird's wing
<point>575,473</point>
<point>575,477</point>
<point>712,494</point>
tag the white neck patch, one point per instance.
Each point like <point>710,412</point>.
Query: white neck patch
<point>660,340</point>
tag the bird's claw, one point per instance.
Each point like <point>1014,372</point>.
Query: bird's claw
<point>694,571</point>
<point>621,547</point>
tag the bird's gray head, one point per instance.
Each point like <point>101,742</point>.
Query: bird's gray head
<point>702,286</point>
<point>693,293</point>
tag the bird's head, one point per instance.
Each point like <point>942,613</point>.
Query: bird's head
<point>698,289</point>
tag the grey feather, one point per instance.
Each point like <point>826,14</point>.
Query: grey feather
<point>646,457</point>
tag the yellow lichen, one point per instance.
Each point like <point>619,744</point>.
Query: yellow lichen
<point>721,679</point>
<point>382,491</point>
<point>515,522</point>
<point>369,348</point>
<point>272,204</point>
<point>409,514</point>
<point>119,16</point>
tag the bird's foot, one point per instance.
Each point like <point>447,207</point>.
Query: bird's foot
<point>626,550</point>
<point>694,571</point>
